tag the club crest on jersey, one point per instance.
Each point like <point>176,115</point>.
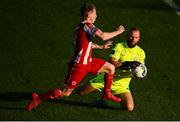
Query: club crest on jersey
<point>73,83</point>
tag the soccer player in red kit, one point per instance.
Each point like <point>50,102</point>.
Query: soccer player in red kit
<point>82,61</point>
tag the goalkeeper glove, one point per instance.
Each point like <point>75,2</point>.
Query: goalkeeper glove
<point>130,65</point>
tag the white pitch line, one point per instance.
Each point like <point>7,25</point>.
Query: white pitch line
<point>173,5</point>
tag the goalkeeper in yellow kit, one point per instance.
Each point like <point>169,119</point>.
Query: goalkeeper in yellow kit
<point>125,56</point>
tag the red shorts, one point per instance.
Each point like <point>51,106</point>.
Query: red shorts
<point>78,72</point>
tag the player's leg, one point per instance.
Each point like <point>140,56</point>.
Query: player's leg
<point>127,101</point>
<point>100,66</point>
<point>52,94</point>
<point>37,99</point>
<point>86,89</point>
<point>95,84</point>
<point>108,78</point>
<point>77,73</point>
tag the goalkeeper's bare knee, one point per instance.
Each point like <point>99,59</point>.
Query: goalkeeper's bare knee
<point>130,107</point>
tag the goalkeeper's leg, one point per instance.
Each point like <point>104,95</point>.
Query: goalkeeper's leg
<point>86,89</point>
<point>127,101</point>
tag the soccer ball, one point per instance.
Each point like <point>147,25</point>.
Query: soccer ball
<point>140,71</point>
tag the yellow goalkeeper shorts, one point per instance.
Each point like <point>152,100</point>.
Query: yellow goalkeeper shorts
<point>119,85</point>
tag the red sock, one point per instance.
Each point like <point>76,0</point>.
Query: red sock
<point>108,78</point>
<point>52,94</point>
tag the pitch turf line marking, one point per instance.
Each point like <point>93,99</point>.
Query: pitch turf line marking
<point>173,5</point>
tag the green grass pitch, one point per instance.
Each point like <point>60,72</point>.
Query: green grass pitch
<point>36,43</point>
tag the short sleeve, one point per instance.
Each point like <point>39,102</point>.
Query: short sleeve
<point>116,52</point>
<point>142,56</point>
<point>90,29</point>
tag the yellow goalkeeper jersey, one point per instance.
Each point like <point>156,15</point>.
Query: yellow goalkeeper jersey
<point>122,77</point>
<point>123,53</point>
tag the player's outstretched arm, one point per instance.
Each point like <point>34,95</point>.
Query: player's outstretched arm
<point>108,35</point>
<point>115,62</point>
<point>105,46</point>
